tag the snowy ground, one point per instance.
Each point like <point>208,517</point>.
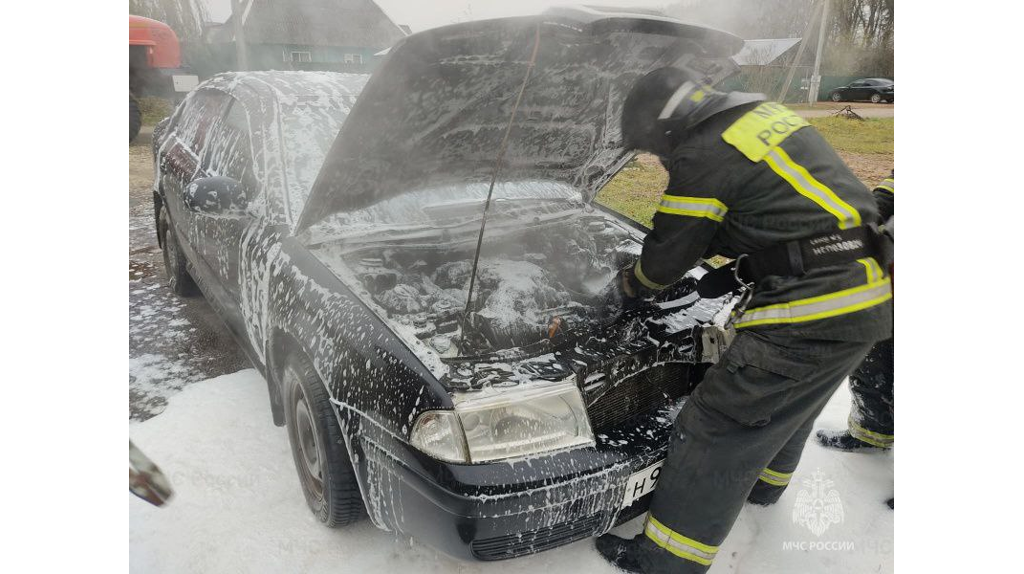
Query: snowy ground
<point>238,506</point>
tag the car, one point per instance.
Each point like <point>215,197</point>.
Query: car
<point>332,221</point>
<point>874,90</point>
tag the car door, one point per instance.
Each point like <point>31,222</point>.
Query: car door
<point>228,152</point>
<point>181,163</point>
<point>858,91</point>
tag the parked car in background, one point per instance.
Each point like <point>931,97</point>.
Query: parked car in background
<point>340,261</point>
<point>873,90</point>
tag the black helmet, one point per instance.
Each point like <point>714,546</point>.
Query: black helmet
<point>671,100</point>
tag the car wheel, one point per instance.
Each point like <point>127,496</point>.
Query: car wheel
<point>318,447</point>
<point>178,279</point>
<point>134,118</point>
<point>836,97</point>
<point>875,98</point>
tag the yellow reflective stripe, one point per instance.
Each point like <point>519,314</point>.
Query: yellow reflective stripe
<point>873,438</point>
<point>873,269</point>
<point>775,478</point>
<point>678,544</point>
<point>806,185</point>
<point>708,207</point>
<point>639,274</point>
<point>887,185</point>
<point>820,307</point>
<point>867,269</point>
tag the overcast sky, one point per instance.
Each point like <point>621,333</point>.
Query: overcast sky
<point>421,15</point>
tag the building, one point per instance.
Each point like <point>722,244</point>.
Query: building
<point>327,35</point>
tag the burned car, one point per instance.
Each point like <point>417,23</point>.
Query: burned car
<point>333,222</point>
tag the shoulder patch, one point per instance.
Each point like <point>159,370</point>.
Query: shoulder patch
<point>760,130</point>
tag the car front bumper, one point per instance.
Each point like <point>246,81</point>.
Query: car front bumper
<point>508,509</point>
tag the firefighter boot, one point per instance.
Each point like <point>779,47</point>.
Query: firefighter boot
<point>844,441</point>
<point>630,555</point>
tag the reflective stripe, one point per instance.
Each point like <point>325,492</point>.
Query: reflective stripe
<point>775,478</point>
<point>873,269</point>
<point>639,274</point>
<point>693,206</point>
<point>820,307</point>
<point>805,184</point>
<point>678,544</point>
<point>873,438</point>
<point>887,185</point>
<point>673,101</point>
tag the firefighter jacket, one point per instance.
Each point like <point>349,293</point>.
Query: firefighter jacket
<point>884,196</point>
<point>753,177</point>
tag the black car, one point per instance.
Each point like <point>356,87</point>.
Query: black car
<point>335,236</point>
<point>874,90</point>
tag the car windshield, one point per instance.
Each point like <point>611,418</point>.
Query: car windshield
<point>454,205</point>
<point>309,126</point>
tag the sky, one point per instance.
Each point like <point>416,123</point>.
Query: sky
<point>420,15</point>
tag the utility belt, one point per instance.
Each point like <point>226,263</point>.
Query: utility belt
<point>797,257</point>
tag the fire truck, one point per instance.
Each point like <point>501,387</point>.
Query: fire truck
<point>154,67</point>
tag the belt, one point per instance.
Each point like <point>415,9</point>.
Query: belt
<point>797,257</point>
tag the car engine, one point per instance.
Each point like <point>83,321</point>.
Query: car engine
<point>532,284</point>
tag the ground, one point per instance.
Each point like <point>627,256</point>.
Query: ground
<point>238,505</point>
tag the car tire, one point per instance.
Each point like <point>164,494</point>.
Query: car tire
<point>835,97</point>
<point>876,98</point>
<point>134,118</point>
<point>321,459</point>
<point>178,278</point>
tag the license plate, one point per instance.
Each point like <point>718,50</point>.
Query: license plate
<point>642,483</point>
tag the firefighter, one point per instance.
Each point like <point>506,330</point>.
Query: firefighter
<point>871,384</point>
<point>752,181</point>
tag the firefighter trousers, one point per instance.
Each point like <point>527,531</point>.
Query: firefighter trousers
<point>747,422</point>
<point>871,417</point>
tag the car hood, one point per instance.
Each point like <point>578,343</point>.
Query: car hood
<point>437,109</point>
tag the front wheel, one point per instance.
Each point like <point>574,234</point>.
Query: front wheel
<point>318,447</point>
<point>836,97</point>
<point>875,98</point>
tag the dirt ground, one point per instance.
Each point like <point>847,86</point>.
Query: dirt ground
<point>870,168</point>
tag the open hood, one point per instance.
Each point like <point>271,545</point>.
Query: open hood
<point>436,110</point>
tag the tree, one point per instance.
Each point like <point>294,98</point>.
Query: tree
<point>859,34</point>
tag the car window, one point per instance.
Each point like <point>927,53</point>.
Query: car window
<point>229,151</point>
<point>202,111</point>
<point>857,84</point>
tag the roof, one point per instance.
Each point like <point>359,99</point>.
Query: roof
<point>314,23</point>
<point>763,52</point>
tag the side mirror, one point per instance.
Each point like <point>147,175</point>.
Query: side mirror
<point>216,195</point>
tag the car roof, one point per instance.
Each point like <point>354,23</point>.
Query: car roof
<point>287,87</point>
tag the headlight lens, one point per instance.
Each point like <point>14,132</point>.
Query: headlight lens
<point>498,424</point>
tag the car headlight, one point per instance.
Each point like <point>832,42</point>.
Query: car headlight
<point>505,423</point>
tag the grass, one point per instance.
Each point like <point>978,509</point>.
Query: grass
<point>636,190</point>
<point>873,135</point>
<point>154,109</point>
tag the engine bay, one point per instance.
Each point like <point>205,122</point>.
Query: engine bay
<point>534,282</point>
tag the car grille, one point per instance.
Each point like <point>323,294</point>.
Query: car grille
<point>640,394</point>
<point>533,541</point>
